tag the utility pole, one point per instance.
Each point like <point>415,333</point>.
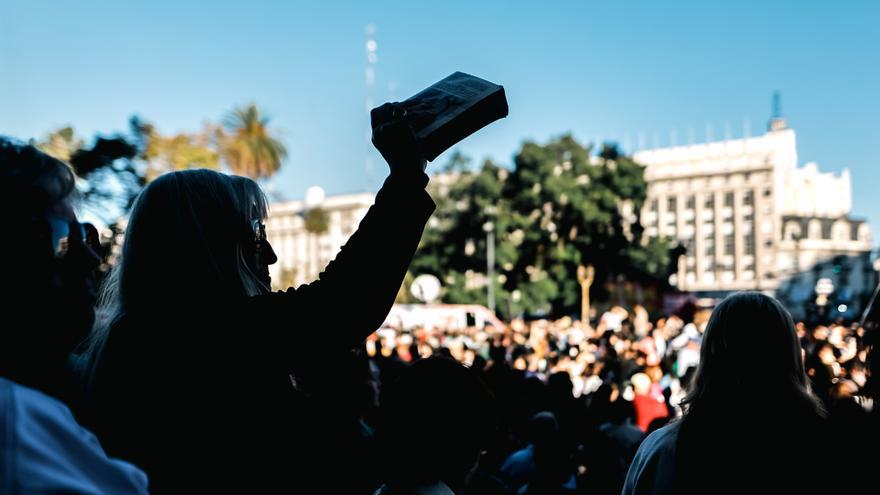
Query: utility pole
<point>489,227</point>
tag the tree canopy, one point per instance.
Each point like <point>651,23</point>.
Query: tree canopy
<point>558,207</point>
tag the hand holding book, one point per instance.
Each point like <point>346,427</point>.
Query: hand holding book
<point>394,138</point>
<point>424,126</point>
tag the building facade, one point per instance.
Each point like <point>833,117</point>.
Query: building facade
<point>302,254</point>
<point>751,219</point>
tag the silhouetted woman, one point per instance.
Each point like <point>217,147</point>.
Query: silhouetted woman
<point>197,373</point>
<point>750,424</point>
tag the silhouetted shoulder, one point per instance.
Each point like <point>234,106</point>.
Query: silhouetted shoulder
<point>49,452</point>
<point>652,469</point>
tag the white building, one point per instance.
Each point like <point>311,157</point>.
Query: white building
<point>302,255</point>
<point>751,218</point>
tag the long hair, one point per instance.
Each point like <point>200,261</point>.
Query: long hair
<point>188,240</point>
<point>750,348</point>
<point>750,392</point>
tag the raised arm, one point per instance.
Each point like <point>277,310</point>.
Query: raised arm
<point>353,295</point>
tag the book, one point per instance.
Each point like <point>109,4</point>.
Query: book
<point>453,109</point>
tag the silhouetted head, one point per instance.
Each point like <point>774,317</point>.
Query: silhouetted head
<point>560,386</point>
<point>187,230</point>
<point>749,406</point>
<point>542,428</point>
<point>750,351</point>
<point>436,421</point>
<point>48,305</point>
<point>192,236</point>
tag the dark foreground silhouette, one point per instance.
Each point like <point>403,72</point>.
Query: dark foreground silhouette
<point>207,380</point>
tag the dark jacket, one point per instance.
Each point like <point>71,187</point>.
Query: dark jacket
<point>203,394</point>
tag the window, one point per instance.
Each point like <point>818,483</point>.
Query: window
<point>671,205</point>
<point>728,199</point>
<point>710,201</point>
<point>691,202</point>
<point>749,244</point>
<point>748,198</point>
<point>729,245</point>
<point>654,205</point>
<point>710,248</point>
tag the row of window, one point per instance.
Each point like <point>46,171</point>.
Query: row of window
<point>748,199</point>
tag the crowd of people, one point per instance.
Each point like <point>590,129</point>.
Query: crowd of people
<point>195,377</point>
<point>607,385</point>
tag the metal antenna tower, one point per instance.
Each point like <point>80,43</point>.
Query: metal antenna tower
<point>370,82</point>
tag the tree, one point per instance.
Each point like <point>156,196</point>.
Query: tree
<point>247,146</point>
<point>455,243</point>
<point>317,220</point>
<point>61,143</point>
<point>110,176</point>
<point>174,152</point>
<point>558,208</point>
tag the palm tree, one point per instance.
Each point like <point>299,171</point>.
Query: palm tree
<point>247,145</point>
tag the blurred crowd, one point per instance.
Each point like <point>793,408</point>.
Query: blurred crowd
<point>586,396</point>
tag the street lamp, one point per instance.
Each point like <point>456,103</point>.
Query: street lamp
<point>489,228</point>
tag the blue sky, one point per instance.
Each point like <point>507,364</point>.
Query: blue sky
<point>601,70</point>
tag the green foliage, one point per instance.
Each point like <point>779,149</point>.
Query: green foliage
<point>558,208</point>
<point>115,169</point>
<point>317,221</point>
<point>110,175</point>
<point>247,145</point>
<point>61,143</point>
<point>176,151</point>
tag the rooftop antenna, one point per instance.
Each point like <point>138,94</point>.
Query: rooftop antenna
<point>777,121</point>
<point>777,105</point>
<point>370,81</point>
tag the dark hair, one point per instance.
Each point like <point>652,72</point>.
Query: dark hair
<point>185,243</point>
<point>34,344</point>
<point>32,178</point>
<point>750,346</point>
<point>749,402</point>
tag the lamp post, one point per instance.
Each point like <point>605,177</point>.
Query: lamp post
<point>489,228</point>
